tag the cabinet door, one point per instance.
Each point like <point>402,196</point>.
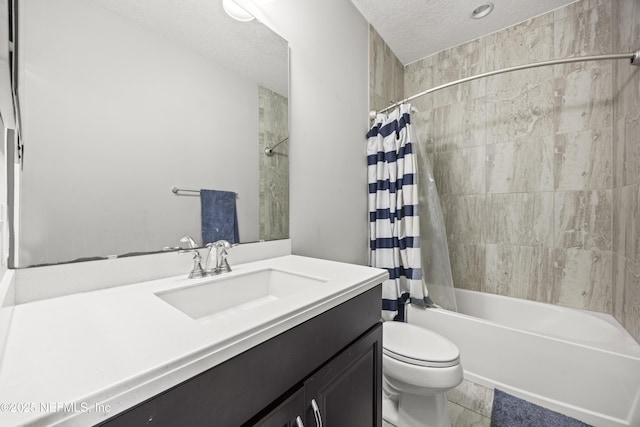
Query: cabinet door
<point>285,414</point>
<point>348,390</point>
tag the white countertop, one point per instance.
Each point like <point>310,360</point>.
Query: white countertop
<point>77,360</point>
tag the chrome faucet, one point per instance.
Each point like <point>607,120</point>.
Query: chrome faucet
<point>221,251</point>
<point>197,271</point>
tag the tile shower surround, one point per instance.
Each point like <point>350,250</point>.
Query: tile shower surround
<point>538,170</point>
<point>274,170</point>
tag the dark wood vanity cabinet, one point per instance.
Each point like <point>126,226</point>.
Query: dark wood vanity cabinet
<point>332,361</point>
<point>345,392</point>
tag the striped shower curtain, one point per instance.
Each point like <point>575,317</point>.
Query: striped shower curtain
<point>394,224</point>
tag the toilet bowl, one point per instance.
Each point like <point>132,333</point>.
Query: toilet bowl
<point>419,367</point>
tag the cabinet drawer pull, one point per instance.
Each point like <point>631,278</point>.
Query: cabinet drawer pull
<point>316,413</point>
<point>299,422</point>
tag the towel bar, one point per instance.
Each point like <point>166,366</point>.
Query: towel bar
<point>177,191</point>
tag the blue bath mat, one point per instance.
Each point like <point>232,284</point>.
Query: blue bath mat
<point>509,411</point>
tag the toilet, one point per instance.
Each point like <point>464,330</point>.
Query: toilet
<point>418,368</point>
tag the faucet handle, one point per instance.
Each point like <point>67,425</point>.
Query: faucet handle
<point>189,239</point>
<point>197,271</point>
<point>223,259</point>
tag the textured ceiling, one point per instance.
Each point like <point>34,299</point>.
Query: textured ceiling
<point>414,29</point>
<point>248,48</point>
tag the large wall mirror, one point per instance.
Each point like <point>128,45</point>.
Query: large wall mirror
<point>122,100</point>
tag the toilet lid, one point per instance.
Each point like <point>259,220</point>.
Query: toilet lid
<point>418,346</point>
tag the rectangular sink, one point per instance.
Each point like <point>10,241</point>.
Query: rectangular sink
<point>222,296</point>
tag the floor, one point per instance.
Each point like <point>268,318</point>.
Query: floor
<point>469,406</point>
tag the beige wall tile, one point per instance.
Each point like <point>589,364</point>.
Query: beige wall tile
<point>524,113</point>
<point>418,77</point>
<point>522,166</point>
<point>424,134</point>
<point>583,97</point>
<point>583,219</point>
<point>530,41</point>
<point>626,222</point>
<point>515,84</point>
<point>519,271</point>
<point>459,172</point>
<point>386,73</point>
<point>583,279</point>
<point>626,19</point>
<point>456,63</point>
<point>467,265</point>
<point>583,28</point>
<point>626,150</point>
<point>583,159</point>
<point>626,294</point>
<point>524,219</point>
<point>459,125</point>
<point>577,7</point>
<point>464,218</point>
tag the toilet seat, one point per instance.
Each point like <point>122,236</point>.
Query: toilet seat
<point>418,346</point>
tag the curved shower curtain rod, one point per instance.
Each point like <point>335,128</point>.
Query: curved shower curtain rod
<point>633,56</point>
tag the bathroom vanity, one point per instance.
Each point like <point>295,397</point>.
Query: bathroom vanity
<point>333,360</point>
<point>283,341</point>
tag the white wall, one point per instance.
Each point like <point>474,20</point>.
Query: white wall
<point>94,86</point>
<point>328,104</point>
<point>4,223</point>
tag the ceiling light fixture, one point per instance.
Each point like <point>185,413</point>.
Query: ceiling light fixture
<point>236,11</point>
<point>482,11</point>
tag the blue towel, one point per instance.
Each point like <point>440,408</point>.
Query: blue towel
<point>219,216</point>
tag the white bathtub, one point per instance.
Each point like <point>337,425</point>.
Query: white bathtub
<point>579,363</point>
